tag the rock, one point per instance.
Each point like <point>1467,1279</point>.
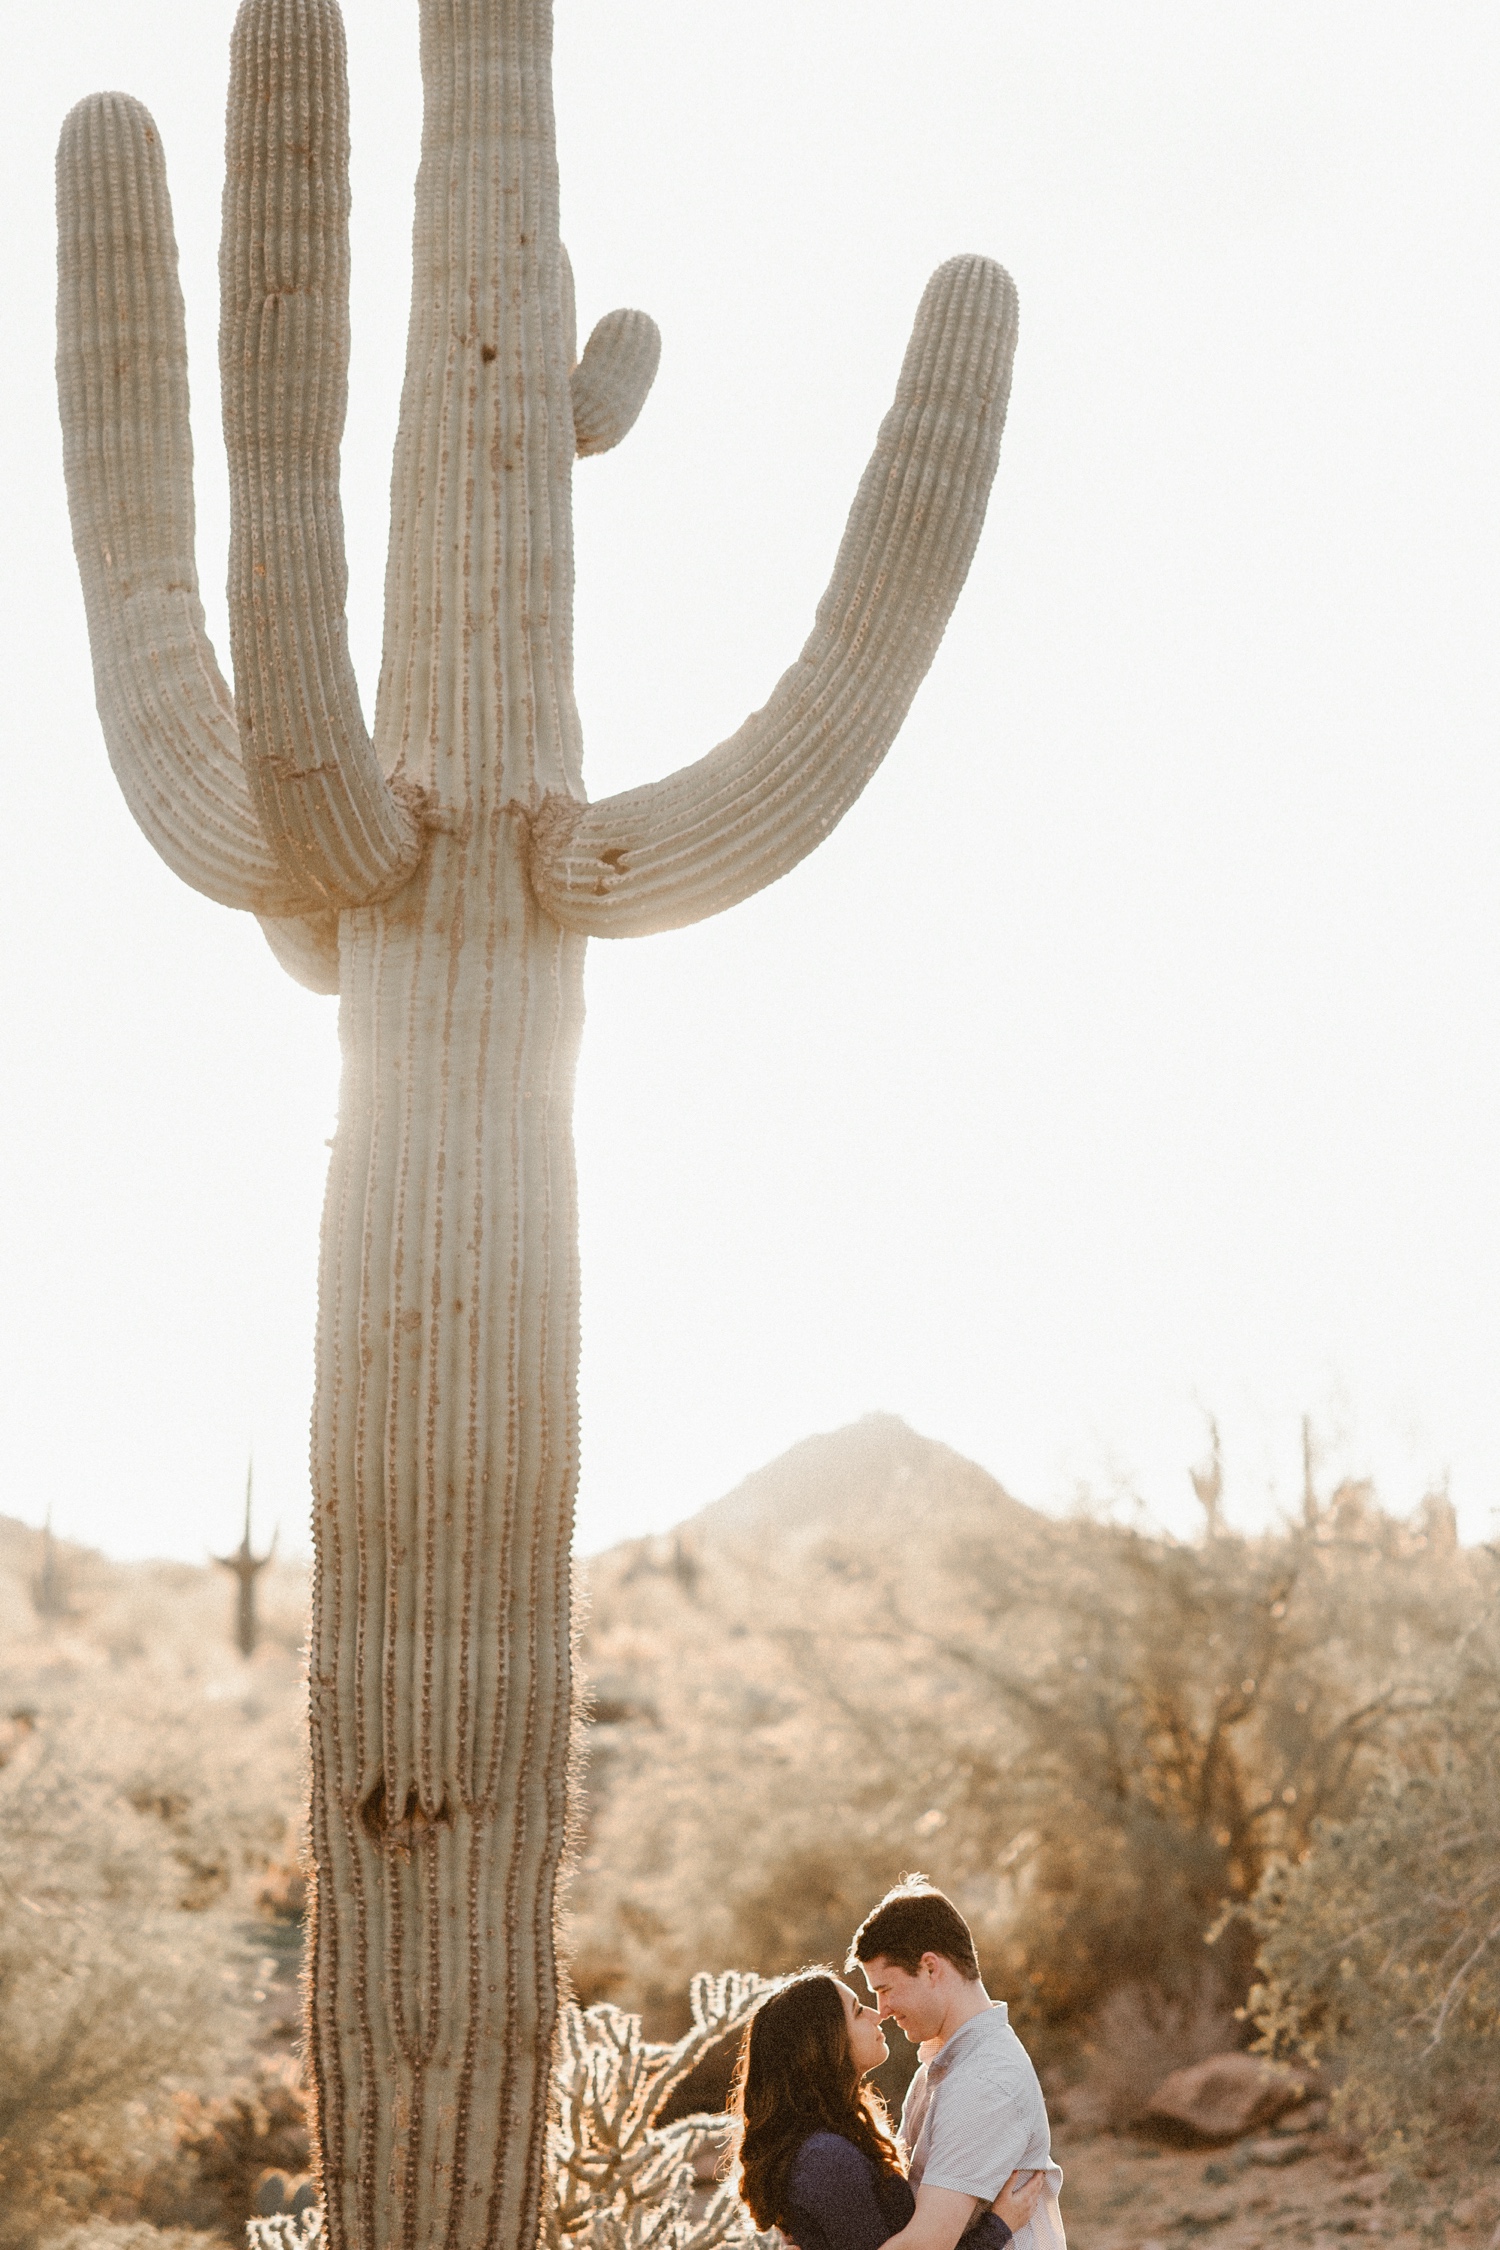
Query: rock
<point>1279,2148</point>
<point>1311,2119</point>
<point>1224,2098</point>
<point>1202,2218</point>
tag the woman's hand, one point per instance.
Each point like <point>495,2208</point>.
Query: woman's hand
<point>1018,2198</point>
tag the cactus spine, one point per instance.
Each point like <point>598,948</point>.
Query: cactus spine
<point>441,875</point>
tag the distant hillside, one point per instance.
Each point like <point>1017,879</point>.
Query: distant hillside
<point>876,1478</point>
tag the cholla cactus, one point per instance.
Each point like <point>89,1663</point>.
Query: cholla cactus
<point>621,2181</point>
<point>301,2230</point>
<point>441,873</point>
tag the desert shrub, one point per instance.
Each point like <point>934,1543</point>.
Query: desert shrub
<point>224,2143</point>
<point>1380,1944</point>
<point>1122,1729</point>
<point>106,1986</point>
<point>1092,1735</point>
<point>147,1778</point>
<point>1138,2035</point>
<point>1198,1707</point>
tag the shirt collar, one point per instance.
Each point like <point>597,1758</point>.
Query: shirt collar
<point>943,2061</point>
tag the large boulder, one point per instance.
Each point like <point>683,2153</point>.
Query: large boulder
<point>1224,2098</point>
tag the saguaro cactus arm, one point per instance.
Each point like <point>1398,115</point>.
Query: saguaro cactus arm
<point>715,832</point>
<point>611,381</point>
<point>330,813</point>
<point>167,714</point>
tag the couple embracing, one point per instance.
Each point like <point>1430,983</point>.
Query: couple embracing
<point>818,2158</point>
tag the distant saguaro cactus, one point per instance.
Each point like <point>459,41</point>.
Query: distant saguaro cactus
<point>442,877</point>
<point>49,1585</point>
<point>247,1567</point>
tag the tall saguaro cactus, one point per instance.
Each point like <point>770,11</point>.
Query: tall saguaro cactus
<point>442,876</point>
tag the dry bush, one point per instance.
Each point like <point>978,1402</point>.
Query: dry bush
<point>106,1985</point>
<point>147,1778</point>
<point>1094,1737</point>
<point>1136,2038</point>
<point>1192,1709</point>
<point>1380,1944</point>
<point>223,2145</point>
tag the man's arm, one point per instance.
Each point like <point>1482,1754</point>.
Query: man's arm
<point>938,2221</point>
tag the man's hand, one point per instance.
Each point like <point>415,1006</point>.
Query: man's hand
<point>1018,2198</point>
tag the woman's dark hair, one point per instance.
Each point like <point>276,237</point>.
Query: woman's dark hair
<point>795,2076</point>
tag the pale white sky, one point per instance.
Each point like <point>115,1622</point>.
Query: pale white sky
<point>1134,1046</point>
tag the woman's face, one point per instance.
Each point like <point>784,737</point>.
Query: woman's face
<point>866,2039</point>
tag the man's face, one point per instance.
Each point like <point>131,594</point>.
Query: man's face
<point>911,1998</point>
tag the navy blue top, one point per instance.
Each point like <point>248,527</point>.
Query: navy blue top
<point>833,2202</point>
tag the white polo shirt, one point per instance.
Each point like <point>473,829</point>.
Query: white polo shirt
<point>975,2113</point>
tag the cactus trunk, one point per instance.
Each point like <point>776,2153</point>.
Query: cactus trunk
<point>442,875</point>
<point>445,1445</point>
<point>444,1462</point>
<point>444,1465</point>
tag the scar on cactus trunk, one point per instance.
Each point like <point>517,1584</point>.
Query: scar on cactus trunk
<point>442,875</point>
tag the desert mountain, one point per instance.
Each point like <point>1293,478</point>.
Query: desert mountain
<point>840,1503</point>
<point>875,1479</point>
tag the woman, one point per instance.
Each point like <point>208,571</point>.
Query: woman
<point>817,2156</point>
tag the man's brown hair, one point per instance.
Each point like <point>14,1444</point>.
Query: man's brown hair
<point>911,1920</point>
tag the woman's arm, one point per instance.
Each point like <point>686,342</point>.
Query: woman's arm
<point>943,2215</point>
<point>989,2232</point>
<point>1013,2206</point>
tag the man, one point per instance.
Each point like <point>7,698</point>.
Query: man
<point>974,2113</point>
